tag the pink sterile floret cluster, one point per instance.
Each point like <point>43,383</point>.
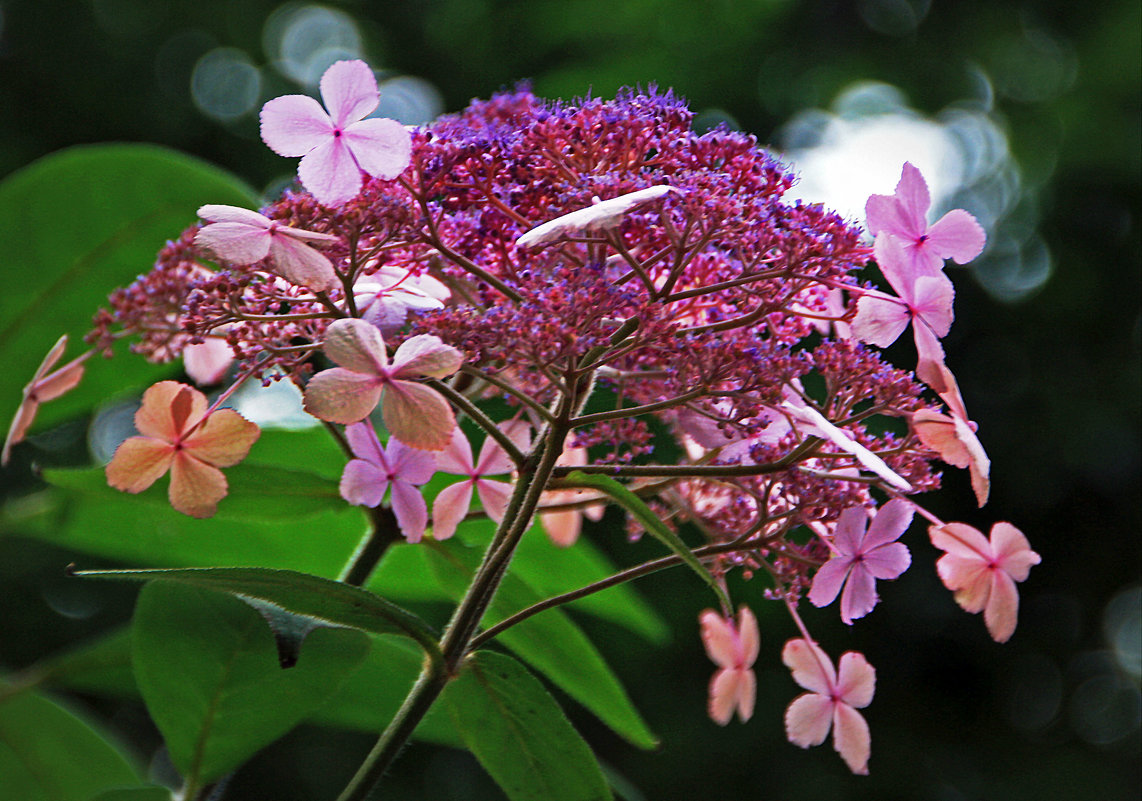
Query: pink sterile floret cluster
<point>597,280</point>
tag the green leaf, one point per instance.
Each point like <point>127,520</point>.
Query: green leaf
<point>208,671</point>
<point>101,666</point>
<point>117,526</point>
<point>650,522</point>
<point>519,733</point>
<point>151,793</point>
<point>326,602</point>
<point>369,699</point>
<point>74,226</point>
<point>49,754</point>
<point>549,641</point>
<point>256,491</point>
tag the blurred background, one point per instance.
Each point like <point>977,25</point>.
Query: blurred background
<point>1025,113</point>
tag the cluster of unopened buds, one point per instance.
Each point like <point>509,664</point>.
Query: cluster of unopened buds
<point>603,292</point>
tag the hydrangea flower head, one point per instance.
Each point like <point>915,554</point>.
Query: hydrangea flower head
<point>337,143</point>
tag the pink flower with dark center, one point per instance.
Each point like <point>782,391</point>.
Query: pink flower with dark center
<point>733,648</point>
<point>982,574</point>
<point>925,302</point>
<point>903,215</point>
<point>831,703</point>
<point>338,145</point>
<point>44,386</point>
<point>862,557</point>
<point>417,415</point>
<point>451,505</point>
<point>178,435</point>
<point>241,236</point>
<point>376,469</point>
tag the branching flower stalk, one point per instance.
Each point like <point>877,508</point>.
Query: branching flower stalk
<point>629,314</point>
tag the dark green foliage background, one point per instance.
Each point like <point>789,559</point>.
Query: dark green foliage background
<point>1053,380</point>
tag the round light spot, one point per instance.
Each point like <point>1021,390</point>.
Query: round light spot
<point>225,84</point>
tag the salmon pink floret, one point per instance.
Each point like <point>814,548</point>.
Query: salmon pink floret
<point>44,386</point>
<point>733,648</point>
<point>982,573</point>
<point>176,434</point>
<point>831,703</point>
<point>451,505</point>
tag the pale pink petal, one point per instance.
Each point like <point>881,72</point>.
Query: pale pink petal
<point>929,351</point>
<point>957,235</point>
<point>850,530</point>
<point>342,396</point>
<point>207,362</point>
<point>960,539</point>
<point>978,464</point>
<point>365,445</point>
<point>859,596</point>
<point>1002,609</point>
<point>883,214</point>
<point>425,355</point>
<point>363,483</point>
<point>456,458</point>
<point>357,346</point>
<point>417,415</point>
<point>562,527</point>
<point>349,90</point>
<point>18,429</point>
<point>1013,550</point>
<point>330,173</point>
<point>808,719</point>
<point>725,687</point>
<point>828,581</point>
<point>600,215</point>
<point>293,125</point>
<point>747,694</point>
<point>866,458</point>
<point>748,634</point>
<point>892,260</point>
<point>382,147</point>
<point>450,507</point>
<point>223,439</point>
<point>851,738</point>
<point>494,497</point>
<point>968,579</point>
<point>138,463</point>
<point>932,299</point>
<point>856,679</point>
<point>879,320</point>
<point>196,487</point>
<point>218,213</point>
<point>410,509</point>
<point>891,521</point>
<point>237,243</point>
<point>494,459</point>
<point>412,464</point>
<point>811,667</point>
<point>912,194</point>
<point>300,264</point>
<point>719,639</point>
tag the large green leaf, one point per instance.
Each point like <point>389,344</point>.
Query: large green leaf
<point>519,734</point>
<point>329,603</point>
<point>100,666</point>
<point>49,754</point>
<point>256,491</point>
<point>207,668</point>
<point>74,226</point>
<point>119,527</point>
<point>549,641</point>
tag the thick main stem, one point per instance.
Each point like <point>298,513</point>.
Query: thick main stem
<point>534,475</point>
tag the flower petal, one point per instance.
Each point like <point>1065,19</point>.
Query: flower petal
<point>891,521</point>
<point>207,362</point>
<point>349,90</point>
<point>363,483</point>
<point>382,147</point>
<point>887,561</point>
<point>157,416</point>
<point>300,264</point>
<point>456,457</point>
<point>957,235</point>
<point>414,465</point>
<point>425,355</point>
<point>138,463</point>
<point>293,125</point>
<point>417,415</point>
<point>450,507</point>
<point>731,688</point>
<point>234,242</point>
<point>493,459</point>
<point>811,667</point>
<point>1013,550</point>
<point>600,215</point>
<point>223,439</point>
<point>1001,613</point>
<point>880,319</point>
<point>410,509</point>
<point>828,580</point>
<point>859,596</point>
<point>808,719</point>
<point>358,346</point>
<point>342,396</point>
<point>494,497</point>
<point>851,738</point>
<point>856,679</point>
<point>196,487</point>
<point>719,638</point>
<point>330,172</point>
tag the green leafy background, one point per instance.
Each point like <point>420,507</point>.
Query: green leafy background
<point>1052,380</point>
